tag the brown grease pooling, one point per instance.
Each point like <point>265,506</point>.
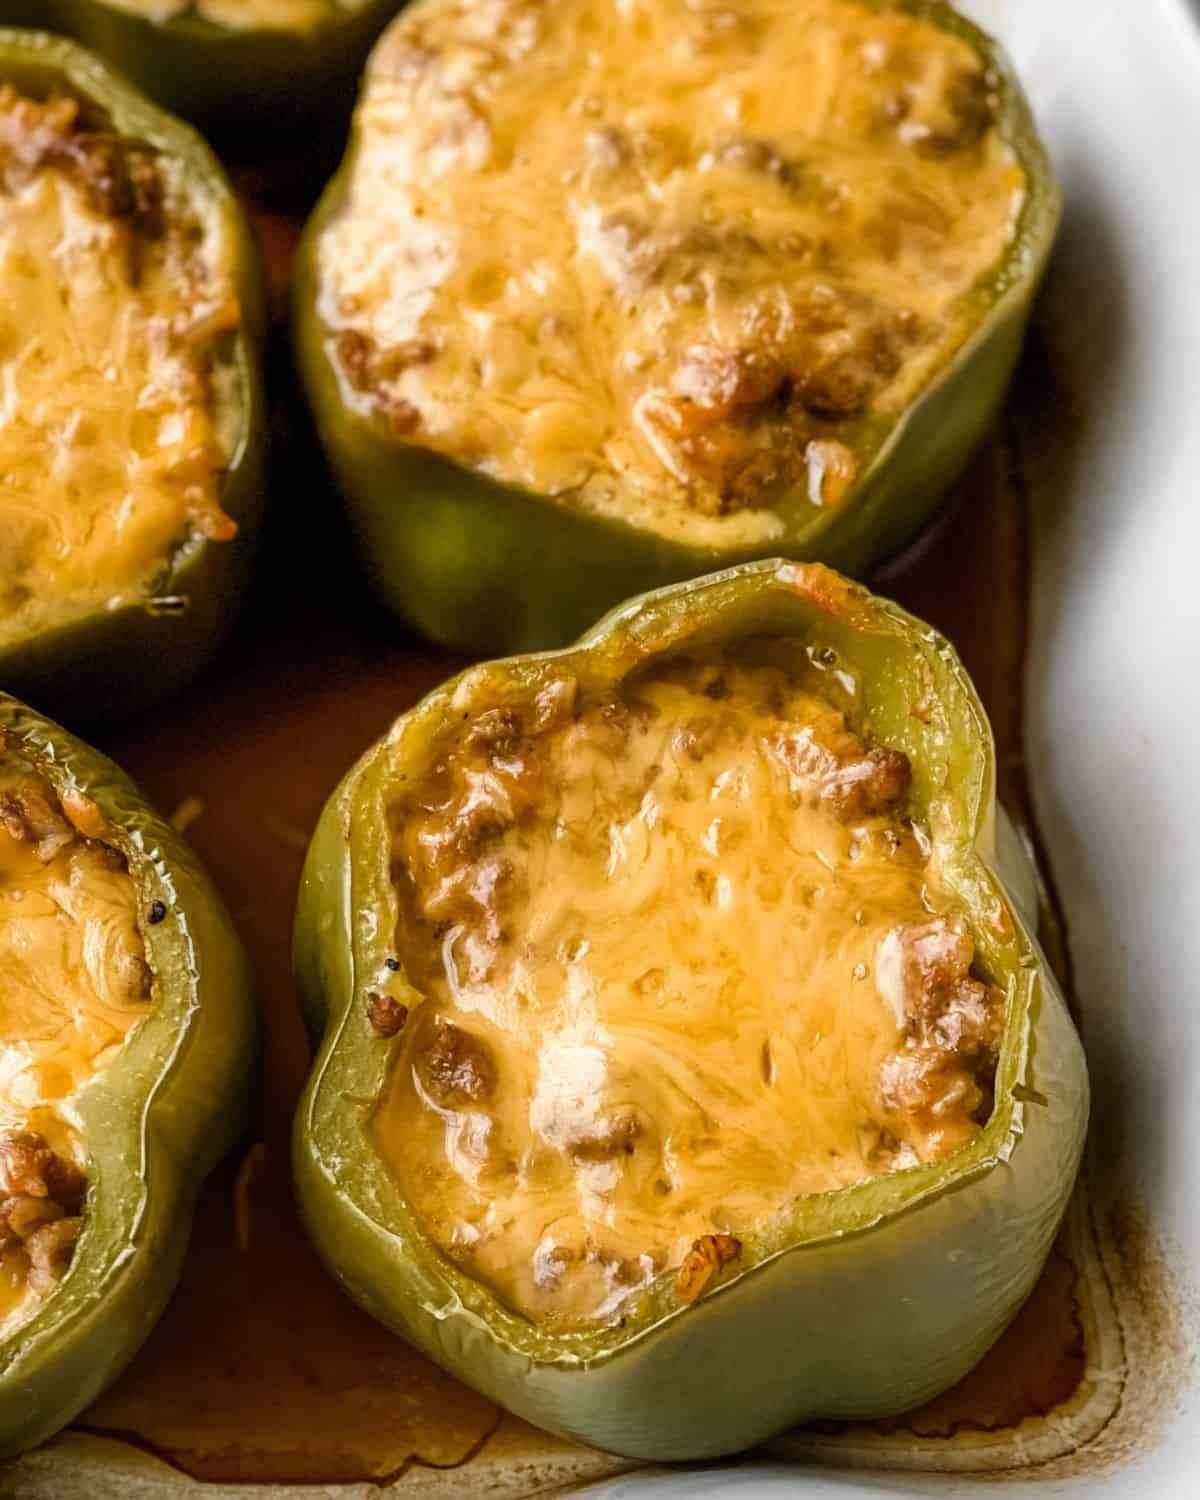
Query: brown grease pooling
<point>261,1369</point>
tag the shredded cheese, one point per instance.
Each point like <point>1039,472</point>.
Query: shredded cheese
<point>110,445</point>
<point>676,263</point>
<point>73,982</point>
<point>652,1009</point>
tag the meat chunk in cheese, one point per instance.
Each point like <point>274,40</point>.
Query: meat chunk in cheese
<point>113,320</point>
<point>73,980</point>
<point>677,263</point>
<point>681,962</point>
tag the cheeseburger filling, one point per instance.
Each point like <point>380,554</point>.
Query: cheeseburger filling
<point>73,981</point>
<point>116,316</point>
<point>682,959</point>
<point>678,263</point>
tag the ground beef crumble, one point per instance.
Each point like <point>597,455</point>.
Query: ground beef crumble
<point>943,1077</point>
<point>41,1201</point>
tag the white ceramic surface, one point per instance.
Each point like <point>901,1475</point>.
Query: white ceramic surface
<point>1112,700</point>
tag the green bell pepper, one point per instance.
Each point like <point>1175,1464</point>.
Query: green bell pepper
<point>276,75</point>
<point>857,1303</point>
<point>488,567</point>
<point>116,660</point>
<point>154,1121</point>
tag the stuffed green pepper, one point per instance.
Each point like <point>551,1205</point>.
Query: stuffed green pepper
<point>126,1038</point>
<point>607,295</point>
<point>132,429</point>
<point>688,1067</point>
<point>231,66</point>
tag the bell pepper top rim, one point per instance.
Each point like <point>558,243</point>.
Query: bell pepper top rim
<point>960,822</point>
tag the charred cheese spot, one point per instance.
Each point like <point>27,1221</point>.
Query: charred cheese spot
<point>73,981</point>
<point>678,263</point>
<point>678,968</point>
<point>115,309</point>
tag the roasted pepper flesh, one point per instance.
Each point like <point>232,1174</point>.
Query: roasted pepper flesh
<point>681,963</point>
<point>130,435</point>
<point>694,320</point>
<point>126,1039</point>
<point>250,72</point>
<point>818,1299</point>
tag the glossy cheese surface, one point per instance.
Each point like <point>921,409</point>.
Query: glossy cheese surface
<point>664,949</point>
<point>73,981</point>
<point>676,263</point>
<point>111,445</point>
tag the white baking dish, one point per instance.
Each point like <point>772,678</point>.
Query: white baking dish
<point>1106,438</point>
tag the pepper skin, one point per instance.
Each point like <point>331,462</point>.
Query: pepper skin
<point>489,568</point>
<point>854,1304</point>
<point>116,661</point>
<point>232,82</point>
<point>154,1122</point>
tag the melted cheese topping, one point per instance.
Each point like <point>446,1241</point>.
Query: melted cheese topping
<point>110,453</point>
<point>73,982</point>
<point>670,261</point>
<point>661,998</point>
<point>242,15</point>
